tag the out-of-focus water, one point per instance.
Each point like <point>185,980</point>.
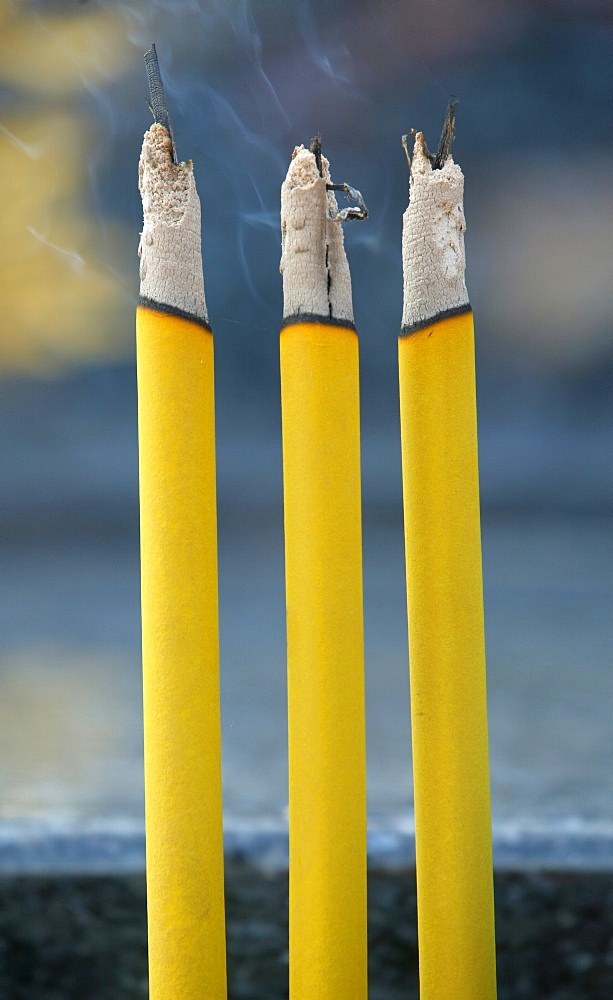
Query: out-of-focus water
<point>70,698</point>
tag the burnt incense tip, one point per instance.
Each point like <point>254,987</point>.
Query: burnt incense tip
<point>316,279</point>
<point>157,105</point>
<point>170,245</point>
<point>433,253</point>
<point>447,136</point>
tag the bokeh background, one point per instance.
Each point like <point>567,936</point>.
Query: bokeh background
<point>247,80</point>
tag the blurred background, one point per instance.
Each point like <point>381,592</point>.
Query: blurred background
<point>247,80</point>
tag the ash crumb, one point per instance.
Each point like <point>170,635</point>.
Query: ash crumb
<point>163,184</point>
<point>158,137</point>
<point>303,172</point>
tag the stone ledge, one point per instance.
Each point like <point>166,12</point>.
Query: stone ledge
<point>72,913</point>
<point>117,845</point>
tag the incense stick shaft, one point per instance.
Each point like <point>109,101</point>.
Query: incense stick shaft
<point>185,897</point>
<point>327,776</point>
<point>447,662</point>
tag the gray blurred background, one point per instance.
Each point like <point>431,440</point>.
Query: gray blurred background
<point>247,80</point>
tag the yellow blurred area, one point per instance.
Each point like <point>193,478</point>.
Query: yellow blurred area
<point>80,705</point>
<point>60,303</point>
<point>51,54</point>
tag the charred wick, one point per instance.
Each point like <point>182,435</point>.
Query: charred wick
<point>447,135</point>
<point>360,211</point>
<point>445,142</point>
<point>157,105</point>
<point>315,149</point>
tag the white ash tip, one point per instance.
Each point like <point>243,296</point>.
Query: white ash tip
<point>170,245</point>
<point>158,138</point>
<point>433,253</point>
<point>316,278</point>
<point>302,171</point>
<point>421,162</point>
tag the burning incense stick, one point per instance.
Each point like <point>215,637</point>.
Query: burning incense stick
<point>323,547</point>
<point>445,603</point>
<point>185,894</point>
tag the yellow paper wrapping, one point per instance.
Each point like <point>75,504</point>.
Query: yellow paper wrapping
<point>185,891</point>
<point>327,772</point>
<point>447,662</point>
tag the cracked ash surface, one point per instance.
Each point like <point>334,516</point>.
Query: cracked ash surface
<point>170,245</point>
<point>433,229</point>
<point>316,278</point>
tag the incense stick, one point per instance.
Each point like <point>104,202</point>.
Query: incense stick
<point>444,589</point>
<point>323,547</point>
<point>185,894</point>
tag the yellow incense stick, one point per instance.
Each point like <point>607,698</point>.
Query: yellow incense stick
<point>445,604</point>
<point>185,892</point>
<point>321,465</point>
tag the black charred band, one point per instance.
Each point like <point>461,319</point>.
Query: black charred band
<point>173,311</point>
<point>314,318</point>
<point>405,331</point>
